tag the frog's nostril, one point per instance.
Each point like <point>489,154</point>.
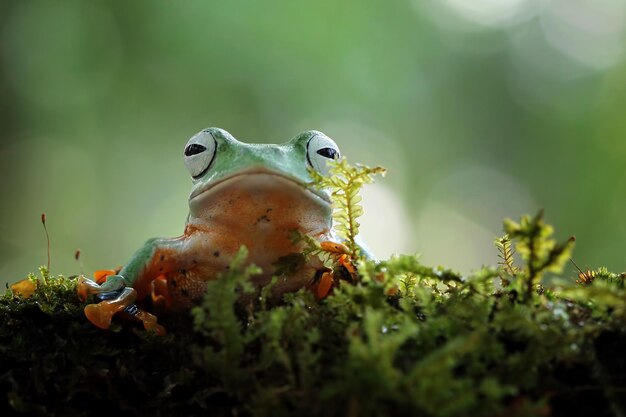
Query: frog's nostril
<point>194,149</point>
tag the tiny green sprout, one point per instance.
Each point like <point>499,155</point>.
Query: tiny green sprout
<point>506,254</point>
<point>536,246</point>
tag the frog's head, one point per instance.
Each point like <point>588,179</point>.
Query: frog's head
<point>217,162</point>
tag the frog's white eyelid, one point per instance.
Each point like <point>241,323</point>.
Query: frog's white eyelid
<point>199,153</point>
<point>319,150</point>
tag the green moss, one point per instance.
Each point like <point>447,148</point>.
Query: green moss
<point>403,338</point>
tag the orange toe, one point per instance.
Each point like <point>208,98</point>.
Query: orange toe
<point>101,275</point>
<point>345,261</point>
<point>150,322</point>
<point>161,298</point>
<point>100,315</point>
<point>334,247</point>
<point>324,285</point>
<point>24,288</point>
<point>82,290</point>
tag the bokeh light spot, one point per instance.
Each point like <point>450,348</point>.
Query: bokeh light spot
<point>477,14</point>
<point>589,31</point>
<point>486,12</point>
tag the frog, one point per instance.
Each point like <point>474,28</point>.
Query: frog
<point>243,194</point>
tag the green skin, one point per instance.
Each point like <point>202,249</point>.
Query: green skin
<point>255,195</point>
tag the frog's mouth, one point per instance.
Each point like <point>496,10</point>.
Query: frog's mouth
<point>204,190</point>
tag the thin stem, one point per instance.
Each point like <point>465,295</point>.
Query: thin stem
<point>43,221</point>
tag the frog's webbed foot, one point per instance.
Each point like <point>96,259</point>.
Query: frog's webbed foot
<point>343,269</point>
<point>101,314</point>
<point>115,297</point>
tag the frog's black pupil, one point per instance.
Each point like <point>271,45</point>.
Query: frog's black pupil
<point>194,149</point>
<point>329,153</point>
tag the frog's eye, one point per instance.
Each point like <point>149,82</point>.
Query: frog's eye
<point>199,153</point>
<point>319,151</point>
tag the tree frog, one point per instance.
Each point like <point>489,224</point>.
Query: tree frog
<point>254,195</point>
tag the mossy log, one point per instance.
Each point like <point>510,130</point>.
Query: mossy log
<point>402,339</point>
<point>392,337</point>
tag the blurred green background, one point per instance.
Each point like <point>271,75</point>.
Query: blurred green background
<point>480,110</point>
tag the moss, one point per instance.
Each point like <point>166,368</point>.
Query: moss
<point>395,337</point>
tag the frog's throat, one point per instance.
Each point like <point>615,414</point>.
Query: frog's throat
<point>322,195</point>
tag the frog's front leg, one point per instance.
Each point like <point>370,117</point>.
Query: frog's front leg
<point>155,258</point>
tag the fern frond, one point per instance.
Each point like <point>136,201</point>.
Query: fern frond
<point>344,182</point>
